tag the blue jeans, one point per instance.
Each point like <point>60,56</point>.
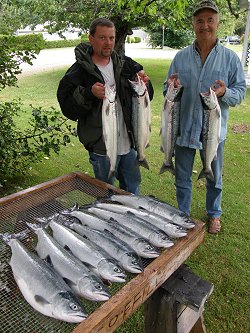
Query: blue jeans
<point>184,161</point>
<point>127,170</point>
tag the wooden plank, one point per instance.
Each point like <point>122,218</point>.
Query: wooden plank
<point>114,312</point>
<point>199,326</point>
<point>188,319</point>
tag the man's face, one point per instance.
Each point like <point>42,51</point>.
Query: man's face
<point>103,41</point>
<point>205,24</point>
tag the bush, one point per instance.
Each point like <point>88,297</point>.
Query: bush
<point>47,131</point>
<point>15,51</point>
<point>137,39</point>
<point>51,44</point>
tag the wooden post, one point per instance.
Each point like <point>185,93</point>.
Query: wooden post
<point>160,313</point>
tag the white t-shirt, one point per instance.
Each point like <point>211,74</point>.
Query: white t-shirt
<point>123,138</point>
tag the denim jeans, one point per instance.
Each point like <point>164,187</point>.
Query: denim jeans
<point>127,170</point>
<point>184,161</point>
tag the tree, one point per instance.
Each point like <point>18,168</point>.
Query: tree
<point>61,15</point>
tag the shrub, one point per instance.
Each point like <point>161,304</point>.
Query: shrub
<point>47,131</point>
<point>137,39</point>
<point>51,44</point>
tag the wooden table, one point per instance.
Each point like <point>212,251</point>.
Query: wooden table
<point>111,314</point>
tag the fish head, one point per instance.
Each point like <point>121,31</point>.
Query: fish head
<point>160,239</point>
<point>110,270</point>
<point>66,307</point>
<point>145,249</point>
<point>132,263</point>
<point>92,288</point>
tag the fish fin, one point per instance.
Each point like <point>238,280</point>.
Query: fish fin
<point>89,266</point>
<point>41,300</point>
<point>160,131</point>
<point>206,174</point>
<point>169,168</point>
<point>130,213</point>
<point>161,149</point>
<point>48,260</point>
<point>111,174</point>
<point>34,227</point>
<point>6,237</point>
<point>70,283</point>
<point>144,163</point>
<point>202,174</point>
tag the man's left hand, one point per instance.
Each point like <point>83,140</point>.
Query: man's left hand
<point>143,76</point>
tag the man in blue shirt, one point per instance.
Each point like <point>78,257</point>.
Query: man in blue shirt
<point>204,64</point>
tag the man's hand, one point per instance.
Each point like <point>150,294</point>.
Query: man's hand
<point>219,88</point>
<point>174,78</point>
<point>98,90</point>
<point>143,76</point>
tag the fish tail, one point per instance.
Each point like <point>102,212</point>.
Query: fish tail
<point>202,174</point>
<point>6,237</point>
<point>111,174</point>
<point>169,168</point>
<point>206,174</point>
<point>144,163</point>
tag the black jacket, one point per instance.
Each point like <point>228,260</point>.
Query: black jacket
<point>78,103</point>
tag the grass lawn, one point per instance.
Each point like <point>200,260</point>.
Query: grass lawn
<point>222,259</point>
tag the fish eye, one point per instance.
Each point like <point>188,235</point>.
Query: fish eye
<point>73,306</point>
<point>98,286</point>
<point>149,247</point>
<point>117,270</point>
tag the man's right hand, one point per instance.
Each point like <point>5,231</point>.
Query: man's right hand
<point>98,90</point>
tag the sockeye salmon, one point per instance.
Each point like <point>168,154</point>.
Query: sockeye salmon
<point>41,286</point>
<point>141,118</point>
<point>157,207</point>
<point>78,276</point>
<point>91,254</point>
<point>170,125</point>
<point>110,126</point>
<point>166,225</point>
<point>115,247</point>
<point>137,225</point>
<point>210,132</point>
<point>139,244</point>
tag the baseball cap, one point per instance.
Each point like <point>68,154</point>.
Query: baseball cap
<point>205,5</point>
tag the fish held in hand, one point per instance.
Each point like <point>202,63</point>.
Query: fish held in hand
<point>170,125</point>
<point>211,130</point>
<point>110,126</point>
<point>141,118</point>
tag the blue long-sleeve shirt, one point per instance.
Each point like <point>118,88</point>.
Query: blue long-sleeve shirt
<point>221,64</point>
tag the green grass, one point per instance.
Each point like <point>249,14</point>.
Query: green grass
<point>222,259</point>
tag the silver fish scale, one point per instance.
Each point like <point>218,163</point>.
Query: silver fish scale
<point>170,125</point>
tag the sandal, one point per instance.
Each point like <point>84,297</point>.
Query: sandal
<point>214,225</point>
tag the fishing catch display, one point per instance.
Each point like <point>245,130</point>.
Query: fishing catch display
<point>82,250</point>
<point>211,128</point>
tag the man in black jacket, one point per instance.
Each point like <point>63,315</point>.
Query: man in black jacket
<point>81,93</point>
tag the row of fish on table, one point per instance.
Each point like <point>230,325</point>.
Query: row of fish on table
<point>80,249</point>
